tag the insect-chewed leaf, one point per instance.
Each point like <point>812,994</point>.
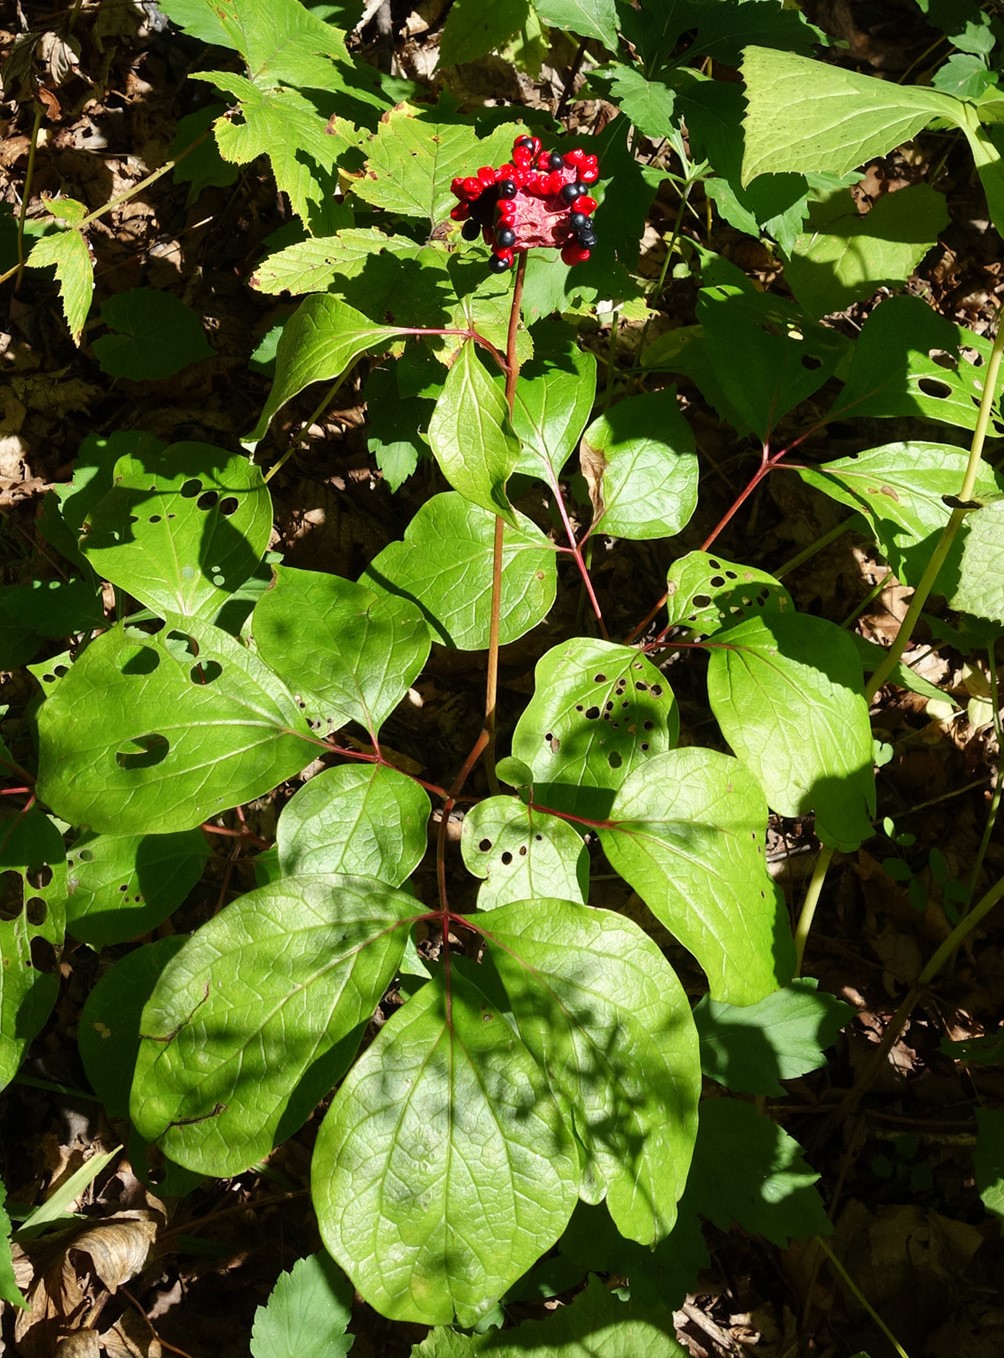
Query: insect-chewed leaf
<point>523,854</point>
<point>705,593</point>
<point>606,1018</point>
<point>687,833</point>
<point>148,734</point>
<point>597,713</point>
<point>444,1167</point>
<point>259,1014</point>
<point>121,886</point>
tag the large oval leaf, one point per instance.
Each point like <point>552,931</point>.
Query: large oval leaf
<point>687,833</point>
<point>443,1169</point>
<point>148,734</point>
<point>605,1016</point>
<point>259,1014</point>
<point>471,437</point>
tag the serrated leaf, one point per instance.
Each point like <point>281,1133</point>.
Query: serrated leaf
<point>259,1014</point>
<point>149,734</point>
<point>911,361</point>
<point>471,437</point>
<point>156,336</point>
<point>804,115</point>
<point>452,586</point>
<point>608,1022</point>
<point>554,396</point>
<point>749,1049</point>
<point>349,653</point>
<point>747,1170</point>
<point>69,252</point>
<point>122,886</point>
<point>444,1167</point>
<point>587,18</point>
<point>846,255</point>
<point>686,831</point>
<point>322,338</point>
<point>787,691</point>
<point>412,163</point>
<point>108,1034</point>
<point>306,1314</point>
<point>705,593</point>
<point>649,103</point>
<point>312,265</point>
<point>368,822</point>
<point>282,41</point>
<point>181,528</point>
<point>33,871</point>
<point>522,854</point>
<point>599,711</point>
<point>473,29</point>
<point>639,463</point>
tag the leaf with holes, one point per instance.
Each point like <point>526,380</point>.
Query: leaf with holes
<point>32,917</point>
<point>686,831</point>
<point>348,652</point>
<point>181,528</point>
<point>471,437</point>
<point>787,691</point>
<point>606,1018</point>
<point>149,734</point>
<point>598,712</point>
<point>705,593</point>
<point>319,342</point>
<point>444,565</point>
<point>554,396</point>
<point>444,1167</point>
<point>369,822</point>
<point>639,463</point>
<point>260,1013</point>
<point>522,854</point>
<point>911,361</point>
<point>122,886</point>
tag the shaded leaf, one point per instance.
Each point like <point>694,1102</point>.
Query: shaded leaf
<point>473,29</point>
<point>155,336</point>
<point>122,886</point>
<point>306,1314</point>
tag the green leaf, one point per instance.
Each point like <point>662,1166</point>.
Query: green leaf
<point>471,437</point>
<point>686,831</point>
<point>988,1158</point>
<point>181,528</point>
<point>69,252</point>
<point>412,163</point>
<point>368,822</point>
<point>787,691</point>
<point>473,29</point>
<point>350,653</point>
<point>979,590</point>
<point>554,397</point>
<point>282,41</point>
<point>313,265</point>
<point>522,854</point>
<point>149,734</point>
<point>306,1314</point>
<point>786,1034</point>
<point>724,30</point>
<point>639,463</point>
<point>122,886</point>
<point>846,255</point>
<point>260,1013</point>
<point>9,1290</point>
<point>587,18</point>
<point>804,115</point>
<point>44,610</point>
<point>911,361</point>
<point>648,103</point>
<point>598,712</point>
<point>705,593</point>
<point>444,565</point>
<point>157,336</point>
<point>33,878</point>
<point>444,1167</point>
<point>322,339</point>
<point>108,1034</point>
<point>747,1170</point>
<point>606,1019</point>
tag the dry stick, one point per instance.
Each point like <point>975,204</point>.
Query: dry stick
<point>895,652</point>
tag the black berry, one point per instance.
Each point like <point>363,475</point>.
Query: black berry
<point>555,161</point>
<point>577,219</point>
<point>524,141</point>
<point>506,236</point>
<point>572,191</point>
<point>471,230</point>
<point>506,188</point>
<point>586,236</point>
<point>497,264</point>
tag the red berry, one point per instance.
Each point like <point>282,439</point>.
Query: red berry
<point>585,204</point>
<point>574,157</point>
<point>574,254</point>
<point>460,213</point>
<point>472,187</point>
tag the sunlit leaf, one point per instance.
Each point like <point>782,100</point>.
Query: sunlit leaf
<point>522,854</point>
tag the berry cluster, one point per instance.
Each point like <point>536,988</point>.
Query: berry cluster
<point>538,198</point>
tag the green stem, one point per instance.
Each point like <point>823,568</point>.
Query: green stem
<point>860,1297</point>
<point>808,911</point>
<point>25,195</point>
